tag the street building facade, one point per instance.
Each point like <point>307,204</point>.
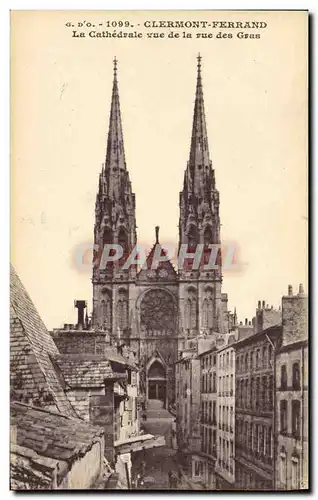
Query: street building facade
<point>291,429</point>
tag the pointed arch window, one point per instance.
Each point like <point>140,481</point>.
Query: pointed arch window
<point>208,239</point>
<point>207,312</point>
<point>107,236</point>
<point>193,313</point>
<point>107,240</point>
<point>105,310</point>
<point>123,242</point>
<point>207,319</point>
<point>122,310</point>
<point>192,238</point>
<point>208,236</point>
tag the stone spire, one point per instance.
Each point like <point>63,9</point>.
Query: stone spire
<point>199,151</point>
<point>115,202</point>
<point>115,154</point>
<point>199,199</point>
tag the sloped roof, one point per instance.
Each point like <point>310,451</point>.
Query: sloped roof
<point>164,270</point>
<point>41,438</point>
<point>115,357</point>
<point>31,350</point>
<point>85,370</point>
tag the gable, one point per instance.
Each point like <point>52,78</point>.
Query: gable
<point>163,271</point>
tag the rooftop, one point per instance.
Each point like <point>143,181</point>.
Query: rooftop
<point>32,348</point>
<point>43,441</point>
<point>86,370</point>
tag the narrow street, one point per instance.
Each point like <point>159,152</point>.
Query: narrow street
<point>159,461</point>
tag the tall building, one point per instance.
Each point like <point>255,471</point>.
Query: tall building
<point>254,409</point>
<point>291,423</point>
<point>156,309</point>
<point>225,465</point>
<point>208,421</point>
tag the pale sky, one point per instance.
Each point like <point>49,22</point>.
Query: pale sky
<point>255,93</point>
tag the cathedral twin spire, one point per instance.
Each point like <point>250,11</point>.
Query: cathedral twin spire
<point>199,199</point>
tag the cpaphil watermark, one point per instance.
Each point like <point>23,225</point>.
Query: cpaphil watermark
<point>203,257</point>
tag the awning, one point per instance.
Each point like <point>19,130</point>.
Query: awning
<point>138,443</point>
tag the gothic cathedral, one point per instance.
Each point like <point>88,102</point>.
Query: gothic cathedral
<point>156,312</point>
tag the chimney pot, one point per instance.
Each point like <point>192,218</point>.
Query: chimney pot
<point>290,290</point>
<point>80,305</point>
<point>263,304</point>
<point>241,323</point>
<point>65,326</point>
<point>259,305</point>
<point>249,323</point>
<point>246,321</point>
<point>301,289</point>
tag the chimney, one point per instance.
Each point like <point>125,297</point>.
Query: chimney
<point>246,321</point>
<point>259,305</point>
<point>249,323</point>
<point>263,304</point>
<point>301,289</point>
<point>290,290</point>
<point>80,306</point>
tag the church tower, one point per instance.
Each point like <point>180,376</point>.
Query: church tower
<point>200,298</point>
<point>115,224</point>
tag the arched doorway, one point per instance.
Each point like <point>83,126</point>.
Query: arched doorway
<point>157,382</point>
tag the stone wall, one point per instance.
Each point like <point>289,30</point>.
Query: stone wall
<point>87,470</point>
<point>79,341</point>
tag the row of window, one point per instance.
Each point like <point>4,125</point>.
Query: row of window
<point>208,412</point>
<point>295,418</point>
<point>226,454</point>
<point>295,377</point>
<point>105,311</point>
<point>226,359</point>
<point>226,385</point>
<point>208,382</point>
<point>226,418</point>
<point>208,440</point>
<point>255,393</point>
<point>254,359</point>
<point>254,438</point>
<point>208,361</point>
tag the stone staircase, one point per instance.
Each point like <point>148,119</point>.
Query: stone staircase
<point>159,421</point>
<point>155,409</point>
